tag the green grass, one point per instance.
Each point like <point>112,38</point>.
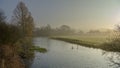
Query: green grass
<point>92,39</point>
<point>38,49</point>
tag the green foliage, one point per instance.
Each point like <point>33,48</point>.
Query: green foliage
<point>38,49</point>
<point>8,33</point>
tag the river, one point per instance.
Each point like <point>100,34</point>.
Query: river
<point>61,54</point>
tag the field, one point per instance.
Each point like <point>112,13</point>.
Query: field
<point>92,39</point>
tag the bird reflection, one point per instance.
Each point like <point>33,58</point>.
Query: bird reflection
<point>74,47</point>
<point>77,47</point>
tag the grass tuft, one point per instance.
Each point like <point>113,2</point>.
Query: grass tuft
<point>38,49</point>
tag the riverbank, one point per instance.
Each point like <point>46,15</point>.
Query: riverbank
<point>76,41</point>
<point>103,45</point>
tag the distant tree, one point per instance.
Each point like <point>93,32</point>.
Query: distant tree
<point>43,31</point>
<point>48,30</point>
<point>117,28</point>
<point>94,31</point>
<point>2,17</point>
<point>80,32</point>
<point>65,28</point>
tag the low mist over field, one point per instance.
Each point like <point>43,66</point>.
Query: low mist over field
<point>59,33</point>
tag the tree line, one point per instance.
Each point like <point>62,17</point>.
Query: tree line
<point>65,30</point>
<point>48,31</point>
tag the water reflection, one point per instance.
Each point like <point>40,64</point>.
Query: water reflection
<point>43,43</point>
<point>77,46</point>
<point>29,61</point>
<point>30,56</point>
<point>113,58</point>
<point>72,48</point>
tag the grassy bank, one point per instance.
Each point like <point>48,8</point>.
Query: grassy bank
<point>77,41</point>
<point>93,39</point>
<point>99,42</point>
<point>89,40</point>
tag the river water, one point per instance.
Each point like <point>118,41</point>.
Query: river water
<point>61,54</point>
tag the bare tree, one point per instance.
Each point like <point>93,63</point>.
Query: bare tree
<point>23,19</point>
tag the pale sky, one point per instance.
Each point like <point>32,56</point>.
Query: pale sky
<point>79,14</point>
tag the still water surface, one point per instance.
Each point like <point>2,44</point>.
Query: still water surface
<point>66,55</point>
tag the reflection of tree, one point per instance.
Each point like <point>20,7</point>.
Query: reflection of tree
<point>113,58</point>
<point>28,60</point>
